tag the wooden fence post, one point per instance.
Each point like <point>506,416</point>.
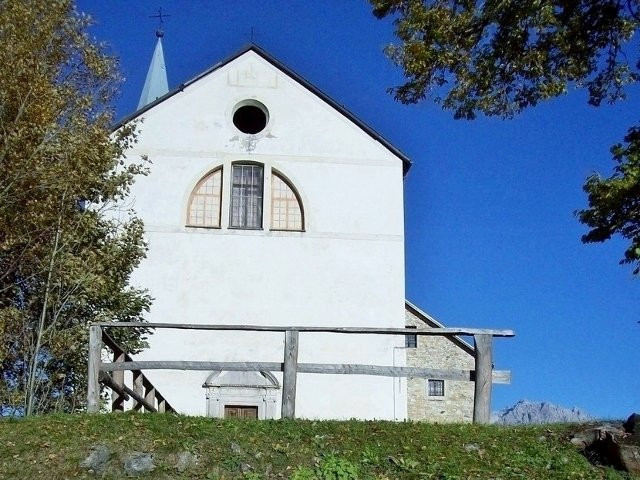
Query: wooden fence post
<point>290,373</point>
<point>117,400</point>
<point>162,404</point>
<point>138,387</point>
<point>150,395</point>
<point>484,367</point>
<point>93,378</point>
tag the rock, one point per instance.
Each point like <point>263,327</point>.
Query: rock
<point>601,447</point>
<point>587,437</point>
<point>245,468</point>
<point>525,412</point>
<point>98,458</point>
<point>630,458</point>
<point>186,460</point>
<point>137,463</point>
<point>471,447</point>
<point>632,425</point>
<point>235,448</point>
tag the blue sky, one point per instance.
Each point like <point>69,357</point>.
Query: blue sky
<point>491,237</point>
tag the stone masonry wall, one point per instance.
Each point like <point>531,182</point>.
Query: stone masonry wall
<point>438,352</point>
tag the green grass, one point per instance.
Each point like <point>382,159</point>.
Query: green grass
<point>52,447</point>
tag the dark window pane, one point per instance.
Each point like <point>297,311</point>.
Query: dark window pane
<point>411,341</point>
<point>436,388</point>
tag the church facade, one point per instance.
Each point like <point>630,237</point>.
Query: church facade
<point>267,203</point>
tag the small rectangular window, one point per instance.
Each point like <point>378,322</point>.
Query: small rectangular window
<point>435,388</point>
<point>411,341</point>
<point>246,196</point>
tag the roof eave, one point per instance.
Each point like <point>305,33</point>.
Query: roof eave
<point>428,319</point>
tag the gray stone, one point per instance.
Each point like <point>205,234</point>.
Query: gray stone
<point>438,352</point>
<point>630,458</point>
<point>137,463</point>
<point>186,461</point>
<point>471,447</point>
<point>245,468</point>
<point>97,460</point>
<point>235,448</point>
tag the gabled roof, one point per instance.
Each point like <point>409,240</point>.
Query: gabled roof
<point>287,71</point>
<point>432,322</point>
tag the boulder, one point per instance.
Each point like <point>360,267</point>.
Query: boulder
<point>137,463</point>
<point>237,449</point>
<point>186,460</point>
<point>97,459</point>
<point>602,446</point>
<point>630,458</point>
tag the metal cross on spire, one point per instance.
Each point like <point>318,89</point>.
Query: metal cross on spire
<point>160,16</point>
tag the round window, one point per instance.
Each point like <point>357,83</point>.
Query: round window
<point>250,117</point>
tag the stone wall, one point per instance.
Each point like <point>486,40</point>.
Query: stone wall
<point>438,352</point>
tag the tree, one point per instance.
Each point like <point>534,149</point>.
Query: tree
<point>67,246</point>
<point>498,57</point>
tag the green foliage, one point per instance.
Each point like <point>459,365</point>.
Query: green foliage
<point>336,468</point>
<point>66,248</point>
<point>614,202</point>
<point>303,473</point>
<point>499,57</point>
<point>353,449</point>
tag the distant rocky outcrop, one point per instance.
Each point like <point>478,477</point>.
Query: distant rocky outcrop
<point>525,412</point>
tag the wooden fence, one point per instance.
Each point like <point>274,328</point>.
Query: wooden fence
<point>483,374</point>
<point>142,392</point>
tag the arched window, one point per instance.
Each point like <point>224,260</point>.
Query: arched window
<point>205,201</point>
<point>286,207</point>
<point>246,196</point>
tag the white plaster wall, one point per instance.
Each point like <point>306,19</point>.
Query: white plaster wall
<point>346,269</point>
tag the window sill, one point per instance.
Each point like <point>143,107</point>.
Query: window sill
<point>204,227</point>
<point>246,228</point>
<point>285,230</point>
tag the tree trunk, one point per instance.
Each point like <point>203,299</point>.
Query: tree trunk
<point>33,368</point>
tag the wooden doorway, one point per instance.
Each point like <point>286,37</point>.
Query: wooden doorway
<point>240,411</point>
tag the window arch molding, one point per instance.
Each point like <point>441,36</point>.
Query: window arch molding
<point>276,175</point>
<point>247,195</point>
<point>204,204</point>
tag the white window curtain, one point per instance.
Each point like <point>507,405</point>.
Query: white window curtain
<point>246,196</point>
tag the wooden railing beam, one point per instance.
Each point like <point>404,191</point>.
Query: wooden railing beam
<point>350,330</point>
<point>498,376</point>
<point>140,400</point>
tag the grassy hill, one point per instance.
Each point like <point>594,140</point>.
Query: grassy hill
<point>52,447</point>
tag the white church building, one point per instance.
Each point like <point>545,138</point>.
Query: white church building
<point>268,203</point>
